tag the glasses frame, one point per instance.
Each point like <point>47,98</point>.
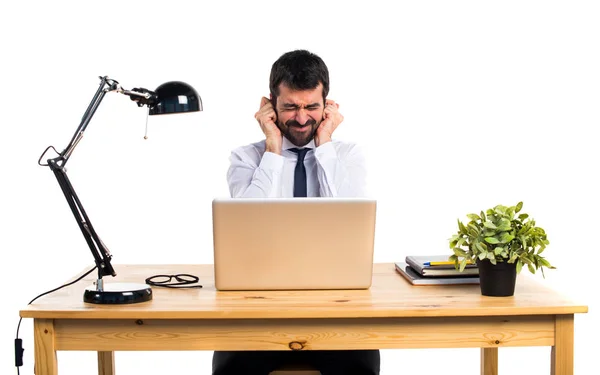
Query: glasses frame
<point>183,280</point>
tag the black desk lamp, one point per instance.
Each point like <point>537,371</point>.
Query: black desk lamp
<point>170,97</point>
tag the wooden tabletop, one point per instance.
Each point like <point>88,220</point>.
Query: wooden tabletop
<point>389,296</point>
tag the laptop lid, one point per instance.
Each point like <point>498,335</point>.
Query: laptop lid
<point>293,243</point>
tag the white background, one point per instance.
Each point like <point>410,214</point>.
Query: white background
<point>459,105</point>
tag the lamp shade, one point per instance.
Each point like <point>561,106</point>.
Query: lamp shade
<point>175,97</point>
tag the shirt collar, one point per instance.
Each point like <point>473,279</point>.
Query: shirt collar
<point>286,144</point>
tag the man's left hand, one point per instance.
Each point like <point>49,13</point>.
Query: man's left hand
<point>331,119</point>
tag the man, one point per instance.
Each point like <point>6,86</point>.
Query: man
<point>298,115</point>
<point>297,158</point>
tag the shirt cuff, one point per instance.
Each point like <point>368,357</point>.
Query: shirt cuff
<point>271,161</point>
<point>325,151</point>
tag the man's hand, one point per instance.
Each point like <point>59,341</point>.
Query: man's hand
<point>266,118</point>
<point>331,119</point>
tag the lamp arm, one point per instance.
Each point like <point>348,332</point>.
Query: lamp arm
<point>101,254</point>
<point>106,85</point>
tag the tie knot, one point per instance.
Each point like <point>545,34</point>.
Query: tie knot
<point>301,152</point>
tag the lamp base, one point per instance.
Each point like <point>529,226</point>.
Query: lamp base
<point>118,294</point>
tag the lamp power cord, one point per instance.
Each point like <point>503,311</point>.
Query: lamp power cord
<point>181,281</point>
<point>19,342</point>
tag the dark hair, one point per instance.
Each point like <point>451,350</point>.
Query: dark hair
<point>299,70</point>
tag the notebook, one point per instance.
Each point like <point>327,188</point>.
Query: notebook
<point>293,243</point>
<point>415,279</point>
<point>419,263</point>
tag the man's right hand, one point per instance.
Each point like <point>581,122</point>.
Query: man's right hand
<point>266,118</point>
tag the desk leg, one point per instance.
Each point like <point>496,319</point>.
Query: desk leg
<point>562,351</point>
<point>106,363</point>
<point>44,347</point>
<point>489,361</point>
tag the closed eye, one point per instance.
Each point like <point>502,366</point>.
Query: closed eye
<point>294,107</point>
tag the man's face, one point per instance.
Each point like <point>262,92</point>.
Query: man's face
<point>299,113</point>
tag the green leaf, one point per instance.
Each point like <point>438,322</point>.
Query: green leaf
<point>504,224</point>
<point>481,256</point>
<point>544,262</point>
<point>524,259</point>
<point>531,269</point>
<point>527,228</point>
<point>500,210</point>
<point>510,212</point>
<point>506,238</point>
<point>492,240</point>
<point>519,266</point>
<point>461,227</point>
<point>473,217</point>
<point>489,224</point>
<point>519,206</point>
<point>472,225</point>
<point>498,250</point>
<point>480,247</point>
<point>459,252</point>
<point>463,264</point>
<point>482,214</point>
<point>523,216</point>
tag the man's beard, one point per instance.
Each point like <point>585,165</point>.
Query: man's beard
<point>298,138</point>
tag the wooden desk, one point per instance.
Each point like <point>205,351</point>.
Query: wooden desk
<point>392,314</point>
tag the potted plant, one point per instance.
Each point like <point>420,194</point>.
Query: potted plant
<point>500,241</point>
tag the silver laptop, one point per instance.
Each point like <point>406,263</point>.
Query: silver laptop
<point>293,243</point>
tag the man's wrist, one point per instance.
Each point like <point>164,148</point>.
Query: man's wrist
<point>322,140</point>
<point>273,146</point>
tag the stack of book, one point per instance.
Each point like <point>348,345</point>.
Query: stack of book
<point>436,270</point>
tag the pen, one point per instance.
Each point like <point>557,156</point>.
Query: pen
<point>442,263</point>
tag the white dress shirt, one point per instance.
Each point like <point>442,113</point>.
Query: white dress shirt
<point>334,169</point>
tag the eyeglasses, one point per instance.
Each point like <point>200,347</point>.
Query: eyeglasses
<point>182,280</point>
